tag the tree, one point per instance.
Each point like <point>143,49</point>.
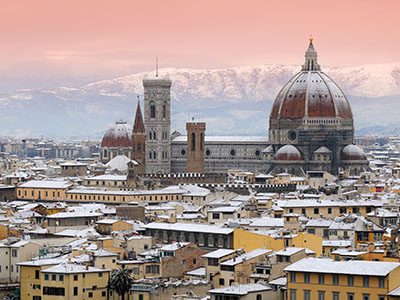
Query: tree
<point>120,281</point>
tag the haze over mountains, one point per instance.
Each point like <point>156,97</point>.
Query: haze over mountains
<point>232,101</point>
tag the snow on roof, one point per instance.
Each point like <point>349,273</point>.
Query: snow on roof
<point>318,223</point>
<point>188,227</point>
<point>44,262</point>
<point>241,289</point>
<point>336,243</point>
<point>107,177</point>
<point>224,209</point>
<point>246,256</point>
<point>289,251</point>
<point>104,253</point>
<point>46,184</point>
<point>74,214</point>
<point>327,203</point>
<point>107,221</point>
<point>279,281</point>
<point>267,222</point>
<point>219,253</point>
<point>352,267</point>
<point>234,139</point>
<point>120,163</point>
<point>73,268</point>
<point>197,272</point>
<point>173,246</point>
<point>395,292</point>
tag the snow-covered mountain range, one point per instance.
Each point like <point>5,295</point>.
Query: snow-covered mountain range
<point>231,100</point>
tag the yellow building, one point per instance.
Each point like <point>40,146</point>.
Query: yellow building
<point>106,226</point>
<point>330,209</point>
<point>51,190</point>
<point>321,278</point>
<point>69,280</point>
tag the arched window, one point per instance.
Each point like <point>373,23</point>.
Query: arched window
<point>259,297</point>
<point>154,135</point>
<point>193,141</point>
<point>105,153</point>
<point>152,110</point>
<point>164,110</point>
<point>150,155</point>
<point>154,155</point>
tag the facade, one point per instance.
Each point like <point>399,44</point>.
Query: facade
<point>157,120</point>
<point>321,278</point>
<point>311,125</point>
<point>311,128</point>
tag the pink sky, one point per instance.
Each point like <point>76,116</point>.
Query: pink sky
<point>60,39</point>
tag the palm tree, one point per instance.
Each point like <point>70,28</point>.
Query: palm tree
<point>120,281</point>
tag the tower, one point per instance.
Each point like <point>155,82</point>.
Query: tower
<point>195,147</point>
<point>157,120</point>
<point>139,141</point>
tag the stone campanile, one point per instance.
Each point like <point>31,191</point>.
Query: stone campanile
<point>157,120</point>
<point>139,142</point>
<point>195,147</point>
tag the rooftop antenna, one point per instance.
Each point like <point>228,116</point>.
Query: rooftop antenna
<point>156,66</point>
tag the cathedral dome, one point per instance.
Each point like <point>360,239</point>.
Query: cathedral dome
<point>118,136</point>
<point>353,152</point>
<point>311,94</point>
<point>288,152</point>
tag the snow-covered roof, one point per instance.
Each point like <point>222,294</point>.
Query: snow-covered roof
<point>68,268</point>
<point>267,222</point>
<point>241,289</point>
<point>219,253</point>
<point>173,246</point>
<point>352,267</point>
<point>120,163</point>
<point>197,272</point>
<point>246,256</point>
<point>289,251</point>
<point>188,227</point>
<point>336,243</point>
<point>46,184</point>
<point>108,177</point>
<point>327,203</point>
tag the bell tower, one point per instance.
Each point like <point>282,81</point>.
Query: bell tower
<point>157,120</point>
<point>139,142</point>
<point>195,147</point>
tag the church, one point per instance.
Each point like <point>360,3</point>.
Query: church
<point>311,128</point>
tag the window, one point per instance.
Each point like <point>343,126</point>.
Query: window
<point>221,281</point>
<point>141,297</point>
<point>292,295</point>
<point>100,274</point>
<point>321,278</point>
<point>343,210</point>
<point>164,111</point>
<point>335,295</point>
<point>350,280</point>
<point>215,216</point>
<point>75,291</point>
<point>193,142</point>
<point>292,277</point>
<point>37,274</point>
<point>90,295</point>
<point>350,296</point>
<point>14,252</point>
<point>365,281</point>
<point>75,277</point>
<point>46,276</point>
<point>306,277</point>
<point>316,211</point>
<point>307,295</point>
<point>153,269</point>
<point>61,277</point>
<point>329,210</point>
<point>259,297</point>
<point>365,297</point>
<point>335,279</point>
<point>103,293</point>
<point>54,291</point>
<point>152,110</point>
<point>54,277</point>
<point>381,282</point>
<point>321,295</point>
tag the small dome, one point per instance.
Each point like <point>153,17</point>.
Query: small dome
<point>118,136</point>
<point>353,152</point>
<point>322,150</point>
<point>288,152</point>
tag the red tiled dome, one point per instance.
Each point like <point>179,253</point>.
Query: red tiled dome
<point>118,136</point>
<point>288,152</point>
<point>353,152</point>
<point>311,94</point>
